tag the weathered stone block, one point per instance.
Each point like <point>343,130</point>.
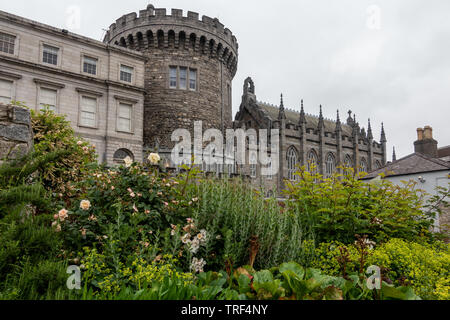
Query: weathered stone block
<point>21,115</point>
<point>17,132</point>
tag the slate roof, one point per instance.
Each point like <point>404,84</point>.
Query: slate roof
<point>412,164</point>
<point>312,122</point>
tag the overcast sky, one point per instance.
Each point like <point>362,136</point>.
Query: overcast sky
<point>384,60</point>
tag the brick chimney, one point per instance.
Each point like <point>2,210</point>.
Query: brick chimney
<point>425,143</point>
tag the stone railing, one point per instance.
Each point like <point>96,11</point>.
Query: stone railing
<point>16,137</point>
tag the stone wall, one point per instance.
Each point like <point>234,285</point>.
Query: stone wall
<point>16,137</point>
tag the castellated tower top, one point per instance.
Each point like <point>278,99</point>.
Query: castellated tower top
<point>154,26</point>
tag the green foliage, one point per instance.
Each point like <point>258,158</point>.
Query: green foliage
<point>18,184</point>
<point>51,133</point>
<point>425,268</point>
<point>242,226</point>
<point>27,238</point>
<point>343,205</point>
<point>130,205</point>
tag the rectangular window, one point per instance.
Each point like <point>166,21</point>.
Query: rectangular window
<point>90,65</point>
<point>7,43</point>
<point>88,110</point>
<point>126,73</point>
<point>183,78</point>
<point>5,91</point>
<point>192,79</point>
<point>124,117</point>
<point>173,77</point>
<point>47,97</point>
<point>50,55</point>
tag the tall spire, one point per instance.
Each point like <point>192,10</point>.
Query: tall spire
<point>383,134</point>
<point>338,123</point>
<point>281,114</point>
<point>321,124</point>
<point>394,156</point>
<point>369,131</point>
<point>302,116</point>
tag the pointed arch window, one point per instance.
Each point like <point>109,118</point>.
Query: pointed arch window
<point>348,163</point>
<point>377,165</point>
<point>312,162</point>
<point>363,165</point>
<point>330,165</point>
<point>292,160</point>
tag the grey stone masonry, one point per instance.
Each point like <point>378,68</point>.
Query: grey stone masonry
<point>16,137</point>
<point>177,41</point>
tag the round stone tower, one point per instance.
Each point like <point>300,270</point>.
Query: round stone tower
<point>189,72</point>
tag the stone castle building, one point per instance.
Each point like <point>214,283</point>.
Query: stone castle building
<point>188,74</point>
<point>307,139</point>
<point>156,72</point>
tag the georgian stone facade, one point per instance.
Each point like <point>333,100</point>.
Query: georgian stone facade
<point>41,65</point>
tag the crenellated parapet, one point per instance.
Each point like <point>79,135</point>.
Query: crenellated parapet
<point>155,28</point>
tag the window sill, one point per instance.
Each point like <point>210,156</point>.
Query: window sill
<point>88,127</point>
<point>126,132</point>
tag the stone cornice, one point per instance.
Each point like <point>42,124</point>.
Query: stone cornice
<point>88,91</point>
<point>108,138</point>
<point>70,74</point>
<point>10,75</point>
<point>126,99</point>
<point>11,18</point>
<point>49,83</point>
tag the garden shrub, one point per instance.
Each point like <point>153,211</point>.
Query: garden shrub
<point>424,267</point>
<point>241,225</point>
<point>104,277</point>
<point>26,238</point>
<point>53,132</point>
<point>343,205</point>
<point>129,204</point>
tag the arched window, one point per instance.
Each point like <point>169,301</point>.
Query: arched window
<point>292,160</point>
<point>253,166</point>
<point>160,36</point>
<point>121,154</point>
<point>348,163</point>
<point>171,38</point>
<point>377,165</point>
<point>312,162</point>
<point>363,165</point>
<point>330,165</point>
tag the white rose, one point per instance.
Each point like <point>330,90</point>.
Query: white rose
<point>154,158</point>
<point>128,162</point>
<point>85,205</point>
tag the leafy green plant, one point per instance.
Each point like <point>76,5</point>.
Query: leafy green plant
<point>242,226</point>
<point>343,205</point>
<point>53,132</point>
